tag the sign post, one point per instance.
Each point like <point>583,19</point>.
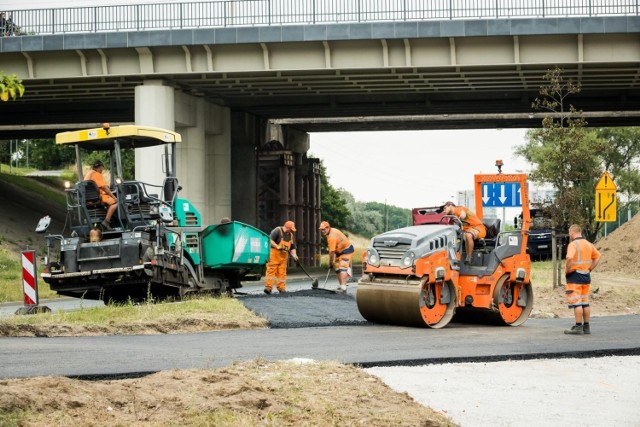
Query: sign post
<point>606,200</point>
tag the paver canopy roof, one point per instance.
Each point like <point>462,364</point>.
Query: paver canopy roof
<point>128,136</point>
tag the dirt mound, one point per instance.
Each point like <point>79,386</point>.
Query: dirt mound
<point>254,393</point>
<point>619,249</point>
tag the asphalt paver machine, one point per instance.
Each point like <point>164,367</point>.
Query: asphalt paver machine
<point>157,246</point>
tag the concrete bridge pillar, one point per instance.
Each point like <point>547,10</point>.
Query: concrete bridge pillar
<point>203,157</point>
<point>218,171</point>
<point>245,135</point>
<point>190,160</point>
<point>154,106</point>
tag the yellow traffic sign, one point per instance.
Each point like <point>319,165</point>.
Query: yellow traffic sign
<point>606,182</point>
<point>606,200</point>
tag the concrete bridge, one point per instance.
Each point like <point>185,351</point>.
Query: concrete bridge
<point>245,92</point>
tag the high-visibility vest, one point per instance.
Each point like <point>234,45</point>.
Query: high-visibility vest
<point>585,254</point>
<point>337,242</point>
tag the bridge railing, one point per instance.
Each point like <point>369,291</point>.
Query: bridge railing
<point>237,13</point>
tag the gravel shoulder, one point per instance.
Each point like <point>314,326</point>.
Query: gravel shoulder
<point>596,391</point>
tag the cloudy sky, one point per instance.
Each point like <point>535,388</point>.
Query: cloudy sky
<point>414,168</point>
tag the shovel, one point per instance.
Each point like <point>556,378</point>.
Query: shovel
<point>327,278</point>
<point>314,281</point>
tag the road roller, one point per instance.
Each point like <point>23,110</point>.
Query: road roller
<point>414,276</point>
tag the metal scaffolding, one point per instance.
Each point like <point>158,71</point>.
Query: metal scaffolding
<point>289,189</point>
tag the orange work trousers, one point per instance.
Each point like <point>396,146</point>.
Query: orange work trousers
<point>277,270</point>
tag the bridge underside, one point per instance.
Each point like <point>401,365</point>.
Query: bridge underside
<point>437,83</point>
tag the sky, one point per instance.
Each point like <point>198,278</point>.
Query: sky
<point>412,169</point>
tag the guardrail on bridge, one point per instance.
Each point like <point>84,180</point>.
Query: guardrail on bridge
<point>236,13</point>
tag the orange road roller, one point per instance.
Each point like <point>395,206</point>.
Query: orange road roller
<point>421,275</point>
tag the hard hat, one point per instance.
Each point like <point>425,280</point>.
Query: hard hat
<point>324,224</point>
<point>291,225</point>
<point>97,163</point>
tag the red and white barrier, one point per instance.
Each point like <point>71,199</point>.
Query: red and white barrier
<point>29,278</point>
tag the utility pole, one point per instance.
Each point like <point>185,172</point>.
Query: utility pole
<point>386,216</point>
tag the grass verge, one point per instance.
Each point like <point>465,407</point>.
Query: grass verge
<point>11,279</point>
<point>193,315</point>
<point>35,186</point>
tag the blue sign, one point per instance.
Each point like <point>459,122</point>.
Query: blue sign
<point>501,195</point>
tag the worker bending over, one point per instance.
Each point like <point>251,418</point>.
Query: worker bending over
<point>340,254</point>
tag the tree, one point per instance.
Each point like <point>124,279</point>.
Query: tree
<point>361,222</point>
<point>11,87</point>
<point>333,205</point>
<point>620,156</point>
<point>565,154</point>
<point>370,218</point>
<point>45,154</point>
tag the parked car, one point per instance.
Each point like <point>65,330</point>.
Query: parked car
<point>539,245</point>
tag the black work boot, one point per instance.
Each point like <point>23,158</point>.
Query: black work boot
<point>106,225</point>
<point>586,328</point>
<point>575,330</point>
<point>267,291</point>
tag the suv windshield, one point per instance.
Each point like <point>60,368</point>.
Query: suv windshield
<point>540,222</point>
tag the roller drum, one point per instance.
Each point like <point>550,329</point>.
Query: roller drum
<point>390,304</point>
<point>406,304</point>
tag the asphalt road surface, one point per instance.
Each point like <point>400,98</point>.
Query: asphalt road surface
<point>480,375</point>
<point>361,343</point>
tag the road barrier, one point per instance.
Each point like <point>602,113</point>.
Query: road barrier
<point>30,285</point>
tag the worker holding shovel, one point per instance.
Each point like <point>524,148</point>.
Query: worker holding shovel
<point>340,253</point>
<point>282,243</point>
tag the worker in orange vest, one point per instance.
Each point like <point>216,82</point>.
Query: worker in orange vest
<point>472,226</point>
<point>340,253</point>
<point>282,244</point>
<point>95,174</point>
<point>582,258</point>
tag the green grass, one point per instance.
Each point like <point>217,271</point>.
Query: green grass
<point>13,418</point>
<point>225,310</point>
<point>36,186</point>
<point>542,273</point>
<point>11,279</point>
<point>21,171</point>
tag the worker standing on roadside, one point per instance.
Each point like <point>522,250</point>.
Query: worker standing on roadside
<point>582,258</point>
<point>282,243</point>
<point>472,226</point>
<point>340,254</point>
